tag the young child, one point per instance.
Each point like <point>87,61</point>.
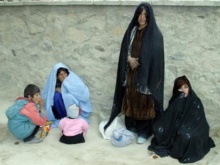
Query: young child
<point>73,128</point>
<point>26,115</point>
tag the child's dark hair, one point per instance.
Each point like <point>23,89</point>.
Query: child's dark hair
<point>31,90</point>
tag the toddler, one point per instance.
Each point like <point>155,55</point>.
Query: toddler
<point>73,128</point>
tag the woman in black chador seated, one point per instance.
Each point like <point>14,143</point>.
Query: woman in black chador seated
<point>182,132</point>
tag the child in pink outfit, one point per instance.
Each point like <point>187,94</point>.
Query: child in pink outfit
<point>73,128</point>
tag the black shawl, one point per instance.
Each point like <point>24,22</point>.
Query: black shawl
<point>182,131</point>
<point>151,58</point>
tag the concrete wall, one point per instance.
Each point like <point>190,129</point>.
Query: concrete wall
<point>87,39</point>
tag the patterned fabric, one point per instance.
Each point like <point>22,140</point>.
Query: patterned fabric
<point>135,104</point>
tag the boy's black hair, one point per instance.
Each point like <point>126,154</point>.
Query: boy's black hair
<point>31,90</point>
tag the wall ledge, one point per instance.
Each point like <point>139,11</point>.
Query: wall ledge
<point>110,2</point>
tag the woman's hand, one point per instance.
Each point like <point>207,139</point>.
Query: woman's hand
<point>133,62</point>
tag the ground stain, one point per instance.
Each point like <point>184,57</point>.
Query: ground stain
<point>4,132</point>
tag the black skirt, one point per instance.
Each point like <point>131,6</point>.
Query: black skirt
<point>72,139</point>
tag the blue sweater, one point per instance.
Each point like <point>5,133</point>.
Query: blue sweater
<point>19,125</point>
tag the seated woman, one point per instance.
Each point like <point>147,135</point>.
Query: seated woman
<point>182,132</point>
<point>62,89</point>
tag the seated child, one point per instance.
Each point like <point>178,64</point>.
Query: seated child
<point>73,128</point>
<point>26,115</point>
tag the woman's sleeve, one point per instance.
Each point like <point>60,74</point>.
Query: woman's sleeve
<point>31,111</point>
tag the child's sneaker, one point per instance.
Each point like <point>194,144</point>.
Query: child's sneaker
<point>34,140</point>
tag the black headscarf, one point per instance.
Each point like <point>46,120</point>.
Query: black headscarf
<point>177,84</point>
<point>183,131</point>
<point>151,58</point>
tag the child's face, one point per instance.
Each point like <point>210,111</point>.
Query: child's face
<point>185,89</point>
<point>36,98</point>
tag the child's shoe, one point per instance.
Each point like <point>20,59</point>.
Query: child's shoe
<point>34,140</point>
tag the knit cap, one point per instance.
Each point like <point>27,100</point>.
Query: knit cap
<point>73,111</point>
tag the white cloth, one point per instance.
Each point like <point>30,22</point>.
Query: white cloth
<point>118,122</point>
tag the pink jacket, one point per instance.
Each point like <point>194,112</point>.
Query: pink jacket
<point>31,111</point>
<point>72,127</point>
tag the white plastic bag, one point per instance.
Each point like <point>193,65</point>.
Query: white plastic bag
<point>118,122</point>
<point>122,137</point>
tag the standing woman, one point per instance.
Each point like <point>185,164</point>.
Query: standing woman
<point>140,76</point>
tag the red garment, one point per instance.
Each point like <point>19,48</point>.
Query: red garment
<point>31,111</point>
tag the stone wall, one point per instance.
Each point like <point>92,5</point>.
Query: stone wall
<point>87,39</point>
